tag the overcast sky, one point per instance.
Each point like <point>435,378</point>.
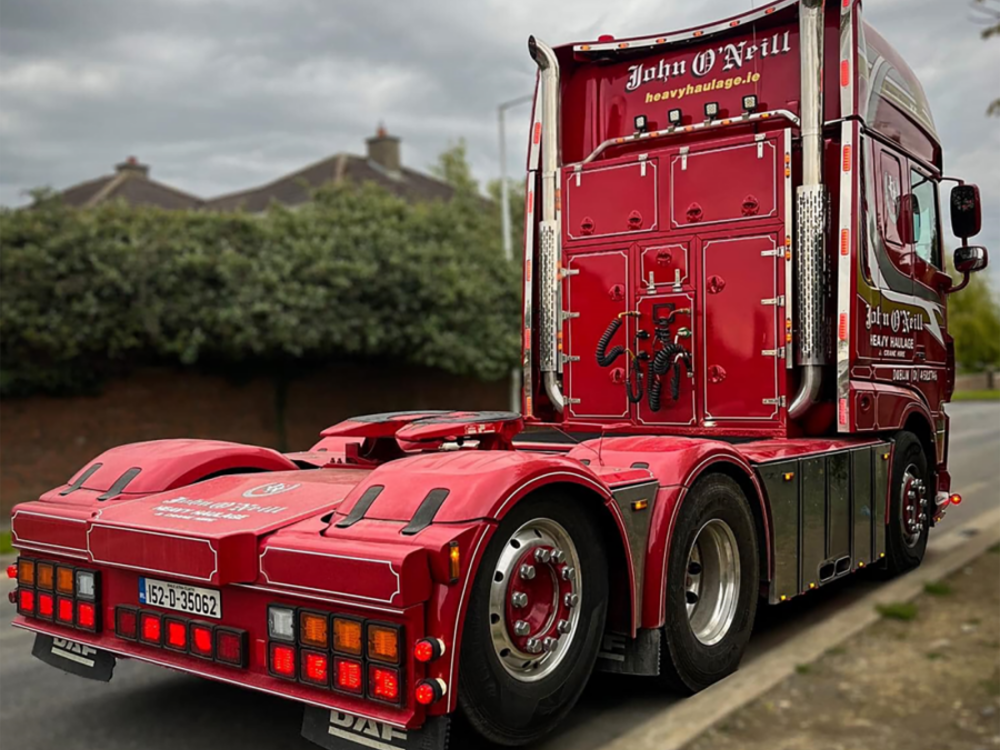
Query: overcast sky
<point>219,95</point>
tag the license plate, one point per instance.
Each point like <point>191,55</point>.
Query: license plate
<point>192,600</point>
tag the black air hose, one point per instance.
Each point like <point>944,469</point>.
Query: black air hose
<point>605,357</point>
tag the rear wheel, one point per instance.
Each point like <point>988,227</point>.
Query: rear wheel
<point>535,621</point>
<point>712,582</point>
<point>910,500</point>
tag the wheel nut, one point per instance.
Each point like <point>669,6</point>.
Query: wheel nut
<point>549,643</point>
<point>534,646</point>
<point>571,600</point>
<point>568,574</point>
<point>563,626</point>
<point>909,508</point>
<point>542,555</point>
<point>518,599</point>
<point>923,517</point>
<point>521,628</point>
<point>558,556</point>
<point>527,572</point>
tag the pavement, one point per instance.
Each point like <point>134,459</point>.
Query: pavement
<point>149,707</point>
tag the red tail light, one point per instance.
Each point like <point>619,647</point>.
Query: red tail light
<point>281,660</point>
<point>201,640</point>
<point>430,691</point>
<point>150,628</point>
<point>230,646</point>
<point>383,684</point>
<point>127,623</point>
<point>347,675</point>
<point>428,649</point>
<point>26,602</point>
<point>46,606</point>
<point>64,610</point>
<point>315,668</point>
<point>86,616</point>
<point>177,635</point>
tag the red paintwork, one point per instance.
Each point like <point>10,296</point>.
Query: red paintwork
<point>699,225</point>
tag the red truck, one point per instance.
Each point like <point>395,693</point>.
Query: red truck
<point>735,365</point>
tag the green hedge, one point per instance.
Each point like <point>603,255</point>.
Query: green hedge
<point>356,274</point>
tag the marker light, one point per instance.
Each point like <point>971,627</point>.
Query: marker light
<point>46,606</point>
<point>281,624</point>
<point>750,103</point>
<point>347,636</point>
<point>955,499</point>
<point>26,572</point>
<point>86,587</point>
<point>454,561</point>
<point>430,691</point>
<point>45,576</point>
<point>383,684</point>
<point>674,117</point>
<point>86,615</point>
<point>428,649</point>
<point>150,628</point>
<point>26,602</point>
<point>383,643</point>
<point>126,623</point>
<point>64,580</point>
<point>347,675</point>
<point>641,123</point>
<point>314,630</point>
<point>201,640</point>
<point>64,610</point>
<point>230,646</point>
<point>315,668</point>
<point>281,660</point>
<point>711,110</point>
<point>12,571</point>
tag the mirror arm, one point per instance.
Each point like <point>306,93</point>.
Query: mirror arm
<point>966,278</point>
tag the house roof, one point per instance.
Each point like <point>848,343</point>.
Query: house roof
<point>296,188</point>
<point>130,183</point>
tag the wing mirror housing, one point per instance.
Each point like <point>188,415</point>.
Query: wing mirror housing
<point>968,260</point>
<point>966,212</point>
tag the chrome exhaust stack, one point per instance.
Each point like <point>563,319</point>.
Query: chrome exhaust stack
<point>549,249</point>
<point>811,214</point>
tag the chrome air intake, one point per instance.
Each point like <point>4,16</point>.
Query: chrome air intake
<point>549,238</point>
<point>811,214</point>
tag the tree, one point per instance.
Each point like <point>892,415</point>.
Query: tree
<point>988,14</point>
<point>974,322</point>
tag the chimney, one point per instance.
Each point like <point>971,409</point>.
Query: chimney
<point>133,167</point>
<point>383,149</point>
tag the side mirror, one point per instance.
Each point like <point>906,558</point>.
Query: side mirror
<point>966,211</point>
<point>908,219</point>
<point>969,259</point>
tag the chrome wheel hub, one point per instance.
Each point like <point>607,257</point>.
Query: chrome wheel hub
<point>913,505</point>
<point>712,582</point>
<point>534,599</point>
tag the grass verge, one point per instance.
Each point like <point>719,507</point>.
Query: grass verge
<point>905,611</point>
<point>5,546</point>
<point>993,395</point>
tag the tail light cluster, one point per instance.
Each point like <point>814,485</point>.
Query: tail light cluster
<point>345,654</point>
<point>202,639</point>
<point>62,594</point>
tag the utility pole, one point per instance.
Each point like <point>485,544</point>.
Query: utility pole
<point>508,245</point>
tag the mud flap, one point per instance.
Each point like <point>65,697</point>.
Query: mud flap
<point>75,658</point>
<point>337,730</point>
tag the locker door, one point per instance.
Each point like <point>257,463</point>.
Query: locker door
<point>740,370</point>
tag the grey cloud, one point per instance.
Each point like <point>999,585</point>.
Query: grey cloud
<point>218,95</point>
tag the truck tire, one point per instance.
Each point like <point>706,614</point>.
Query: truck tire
<point>910,497</point>
<point>712,586</point>
<point>532,629</point>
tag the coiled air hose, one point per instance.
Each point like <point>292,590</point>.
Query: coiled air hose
<point>605,357</point>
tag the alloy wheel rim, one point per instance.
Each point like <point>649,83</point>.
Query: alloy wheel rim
<point>712,582</point>
<point>534,606</point>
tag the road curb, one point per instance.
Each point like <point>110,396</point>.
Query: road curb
<point>684,721</point>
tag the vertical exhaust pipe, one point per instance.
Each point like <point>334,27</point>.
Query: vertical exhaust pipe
<point>549,250</point>
<point>811,212</point>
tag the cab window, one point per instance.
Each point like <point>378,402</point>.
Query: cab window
<point>925,219</point>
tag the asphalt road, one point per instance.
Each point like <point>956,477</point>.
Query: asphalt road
<point>149,707</point>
